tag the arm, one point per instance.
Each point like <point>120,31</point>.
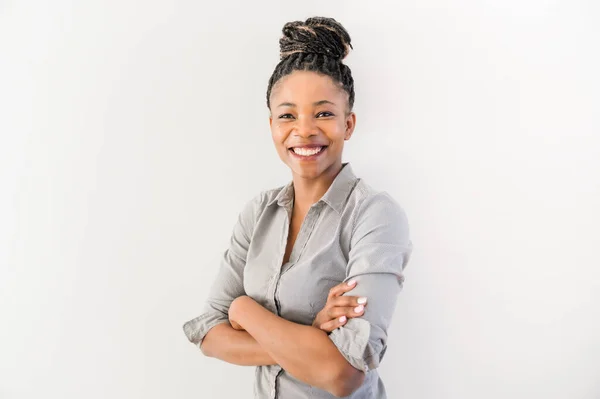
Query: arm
<point>305,352</point>
<point>211,330</point>
<point>380,249</point>
<point>235,347</point>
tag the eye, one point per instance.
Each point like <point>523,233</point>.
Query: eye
<point>286,116</point>
<point>325,114</point>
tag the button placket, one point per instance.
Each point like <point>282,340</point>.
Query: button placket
<point>306,230</point>
<point>274,285</point>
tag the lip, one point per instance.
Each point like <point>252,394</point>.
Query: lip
<point>307,146</point>
<point>307,158</point>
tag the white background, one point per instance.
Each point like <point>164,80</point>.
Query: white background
<point>132,133</point>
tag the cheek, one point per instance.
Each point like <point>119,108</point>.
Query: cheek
<point>279,137</point>
<point>337,134</point>
<point>276,133</point>
<point>334,128</point>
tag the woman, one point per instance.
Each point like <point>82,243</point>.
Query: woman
<point>278,301</point>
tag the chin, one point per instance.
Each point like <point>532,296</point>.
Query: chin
<point>309,171</point>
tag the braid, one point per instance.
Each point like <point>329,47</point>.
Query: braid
<point>318,45</point>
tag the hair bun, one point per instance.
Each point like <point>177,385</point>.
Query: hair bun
<point>317,35</point>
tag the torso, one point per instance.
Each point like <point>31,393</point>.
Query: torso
<point>295,288</point>
<point>319,238</point>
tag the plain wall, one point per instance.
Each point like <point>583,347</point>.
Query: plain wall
<point>132,133</point>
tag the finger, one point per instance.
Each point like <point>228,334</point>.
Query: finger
<point>339,306</point>
<point>349,312</point>
<point>333,324</point>
<point>358,311</point>
<point>342,288</point>
<point>346,301</point>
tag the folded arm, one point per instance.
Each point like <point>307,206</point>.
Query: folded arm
<point>233,346</point>
<point>305,352</point>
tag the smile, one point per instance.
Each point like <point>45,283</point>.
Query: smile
<point>307,153</point>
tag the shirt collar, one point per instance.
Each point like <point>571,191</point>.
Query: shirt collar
<point>336,196</point>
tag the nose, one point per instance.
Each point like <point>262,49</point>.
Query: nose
<point>306,127</point>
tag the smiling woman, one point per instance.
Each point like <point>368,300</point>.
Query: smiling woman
<point>279,301</point>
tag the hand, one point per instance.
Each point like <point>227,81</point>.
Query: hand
<point>232,310</point>
<point>339,309</point>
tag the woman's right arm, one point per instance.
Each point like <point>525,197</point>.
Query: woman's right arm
<point>238,347</point>
<point>211,330</point>
<point>235,347</point>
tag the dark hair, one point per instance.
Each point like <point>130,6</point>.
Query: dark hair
<point>319,44</point>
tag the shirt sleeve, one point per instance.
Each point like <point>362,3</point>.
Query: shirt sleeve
<point>380,248</point>
<point>229,283</point>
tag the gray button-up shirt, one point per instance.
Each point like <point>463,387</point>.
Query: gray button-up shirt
<point>352,232</point>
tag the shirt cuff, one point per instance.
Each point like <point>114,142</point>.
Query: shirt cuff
<point>197,328</point>
<point>353,342</point>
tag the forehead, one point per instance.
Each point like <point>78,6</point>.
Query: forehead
<point>306,86</point>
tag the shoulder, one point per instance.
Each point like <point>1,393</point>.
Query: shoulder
<point>256,205</point>
<point>368,201</point>
<point>377,212</point>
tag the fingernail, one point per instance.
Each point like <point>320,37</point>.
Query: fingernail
<point>362,300</point>
<point>342,319</point>
<point>358,309</point>
<point>351,282</point>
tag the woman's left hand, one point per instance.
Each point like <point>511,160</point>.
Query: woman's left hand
<point>339,308</point>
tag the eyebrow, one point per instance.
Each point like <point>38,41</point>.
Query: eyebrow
<point>322,102</point>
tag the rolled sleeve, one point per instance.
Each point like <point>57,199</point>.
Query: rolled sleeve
<point>229,283</point>
<point>379,251</point>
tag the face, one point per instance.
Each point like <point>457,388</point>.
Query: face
<point>309,122</point>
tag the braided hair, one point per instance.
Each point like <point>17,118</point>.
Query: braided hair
<point>319,45</point>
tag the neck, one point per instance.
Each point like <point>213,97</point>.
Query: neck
<point>309,191</point>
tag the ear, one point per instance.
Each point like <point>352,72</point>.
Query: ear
<point>350,125</point>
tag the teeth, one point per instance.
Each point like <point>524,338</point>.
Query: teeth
<point>306,152</point>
